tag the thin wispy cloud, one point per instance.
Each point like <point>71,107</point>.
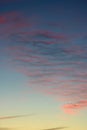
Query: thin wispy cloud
<point>57,128</point>
<point>13,117</point>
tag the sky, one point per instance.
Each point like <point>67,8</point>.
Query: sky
<point>43,64</point>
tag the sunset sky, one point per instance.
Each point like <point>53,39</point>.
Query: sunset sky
<point>43,64</point>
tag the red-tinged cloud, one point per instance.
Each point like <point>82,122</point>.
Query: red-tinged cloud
<point>8,17</point>
<point>2,20</point>
<point>71,108</point>
<point>12,22</point>
<point>50,34</point>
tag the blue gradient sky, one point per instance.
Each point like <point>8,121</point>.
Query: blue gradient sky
<point>43,64</point>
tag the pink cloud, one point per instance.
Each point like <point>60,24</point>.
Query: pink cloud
<point>14,22</point>
<point>71,108</point>
<point>45,58</point>
<point>73,88</point>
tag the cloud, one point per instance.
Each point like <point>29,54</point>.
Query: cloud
<point>57,128</point>
<point>13,117</point>
<point>61,69</point>
<point>12,22</point>
<point>71,108</point>
<point>50,59</point>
